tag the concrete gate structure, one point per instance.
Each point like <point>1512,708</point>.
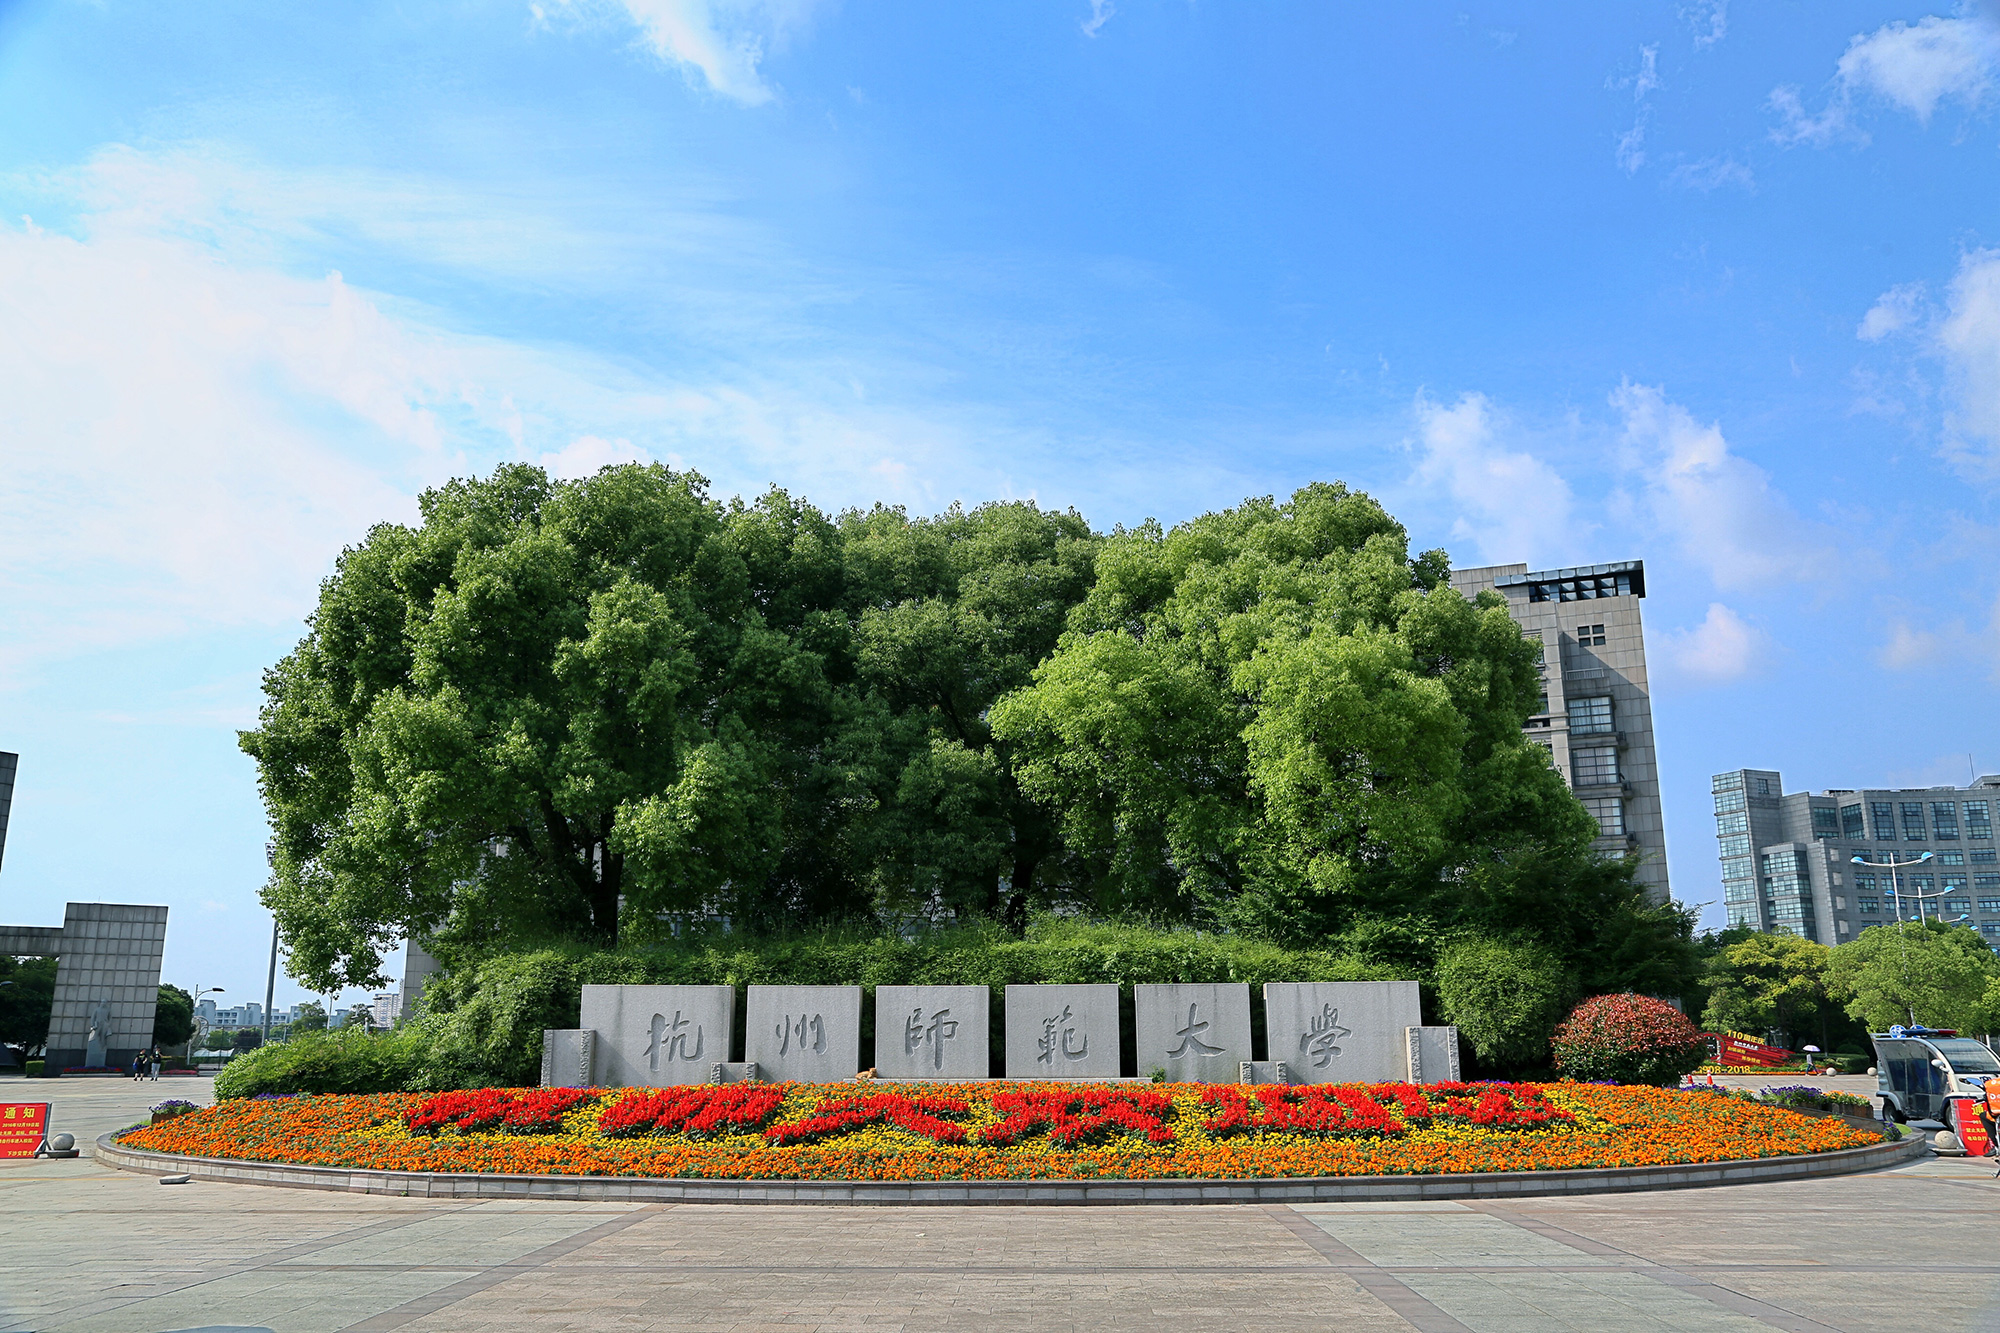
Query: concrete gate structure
<point>107,980</point>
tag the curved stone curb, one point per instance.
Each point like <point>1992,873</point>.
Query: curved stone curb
<point>1291,1189</point>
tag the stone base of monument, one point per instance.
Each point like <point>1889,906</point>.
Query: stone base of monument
<point>737,1071</point>
<point>1263,1071</point>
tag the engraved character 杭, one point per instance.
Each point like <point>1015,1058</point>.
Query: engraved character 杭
<point>670,1040</point>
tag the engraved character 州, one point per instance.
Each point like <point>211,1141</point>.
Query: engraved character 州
<point>812,1023</point>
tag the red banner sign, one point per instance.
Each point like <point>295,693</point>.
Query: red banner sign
<point>1741,1051</point>
<point>1965,1123</point>
<point>22,1127</point>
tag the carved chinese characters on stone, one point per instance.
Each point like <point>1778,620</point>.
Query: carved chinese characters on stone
<point>657,1036</point>
<point>1196,1033</point>
<point>1342,1031</point>
<point>1062,1032</point>
<point>1320,1042</point>
<point>932,1032</point>
<point>811,1034</point>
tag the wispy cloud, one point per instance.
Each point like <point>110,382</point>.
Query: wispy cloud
<point>1100,14</point>
<point>1712,173</point>
<point>1969,338</point>
<point>1893,311</point>
<point>1630,150</point>
<point>724,42</point>
<point>1914,66</point>
<point>1709,19</point>
<point>1721,509</point>
<point>1509,503</point>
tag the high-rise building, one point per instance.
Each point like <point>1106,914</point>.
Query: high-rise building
<point>1596,715</point>
<point>1788,860</point>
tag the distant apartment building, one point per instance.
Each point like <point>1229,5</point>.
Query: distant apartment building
<point>1596,713</point>
<point>388,1008</point>
<point>1788,861</point>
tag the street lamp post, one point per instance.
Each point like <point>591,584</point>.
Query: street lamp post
<point>1896,893</point>
<point>271,978</point>
<point>200,1028</point>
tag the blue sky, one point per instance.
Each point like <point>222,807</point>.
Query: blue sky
<point>1716,286</point>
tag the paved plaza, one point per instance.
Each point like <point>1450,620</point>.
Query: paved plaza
<point>86,1249</point>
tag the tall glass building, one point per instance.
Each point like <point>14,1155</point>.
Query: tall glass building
<point>1788,860</point>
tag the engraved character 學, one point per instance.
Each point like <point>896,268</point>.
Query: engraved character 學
<point>1319,1041</point>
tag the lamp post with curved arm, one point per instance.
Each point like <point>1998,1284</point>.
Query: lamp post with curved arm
<point>1895,892</point>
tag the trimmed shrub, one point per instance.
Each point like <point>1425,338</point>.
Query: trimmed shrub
<point>1628,1039</point>
<point>1505,997</point>
<point>343,1060</point>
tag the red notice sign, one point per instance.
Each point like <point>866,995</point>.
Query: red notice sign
<point>22,1127</point>
<point>1966,1124</point>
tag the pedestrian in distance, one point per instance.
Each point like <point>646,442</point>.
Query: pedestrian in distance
<point>138,1059</point>
<point>154,1058</point>
<point>1989,1116</point>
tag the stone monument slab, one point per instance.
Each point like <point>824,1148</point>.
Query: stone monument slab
<point>566,1057</point>
<point>1062,1032</point>
<point>932,1032</point>
<point>1342,1031</point>
<point>1433,1054</point>
<point>658,1036</point>
<point>1198,1032</point>
<point>807,1034</point>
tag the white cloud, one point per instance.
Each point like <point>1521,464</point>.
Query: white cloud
<point>1630,151</point>
<point>1100,14</point>
<point>1712,173</point>
<point>1893,310</point>
<point>1723,647</point>
<point>1969,338</point>
<point>1709,19</point>
<point>193,429</point>
<point>724,41</point>
<point>1913,66</point>
<point>1512,505</point>
<point>1721,509</point>
<point>1908,647</point>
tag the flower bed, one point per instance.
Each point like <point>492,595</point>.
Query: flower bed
<point>1003,1131</point>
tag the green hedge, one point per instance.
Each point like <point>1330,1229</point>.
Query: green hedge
<point>483,1026</point>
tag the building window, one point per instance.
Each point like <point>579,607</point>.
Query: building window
<point>1883,815</point>
<point>1726,782</point>
<point>1590,636</point>
<point>1951,858</point>
<point>1590,716</point>
<point>1594,766</point>
<point>1737,867</point>
<point>1982,856</point>
<point>1913,821</point>
<point>1609,812</point>
<point>1763,786</point>
<point>1850,823</point>
<point>1955,906</point>
<point>1989,904</point>
<point>1864,883</point>
<point>1739,891</point>
<point>1726,824</point>
<point>1736,846</point>
<point>1840,902</point>
<point>1977,825</point>
<point>1944,819</point>
<point>1867,904</point>
<point>1987,884</point>
<point>1826,822</point>
<point>1728,801</point>
<point>1953,883</point>
<point>1844,927</point>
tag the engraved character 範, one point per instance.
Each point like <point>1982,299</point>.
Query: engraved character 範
<point>1056,1037</point>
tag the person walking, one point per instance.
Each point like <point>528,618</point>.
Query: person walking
<point>1989,1116</point>
<point>154,1058</point>
<point>138,1062</point>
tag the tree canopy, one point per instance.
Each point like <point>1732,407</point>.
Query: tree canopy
<point>1928,972</point>
<point>608,708</point>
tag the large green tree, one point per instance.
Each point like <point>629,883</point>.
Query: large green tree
<point>1929,973</point>
<point>1771,982</point>
<point>1277,718</point>
<point>27,1001</point>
